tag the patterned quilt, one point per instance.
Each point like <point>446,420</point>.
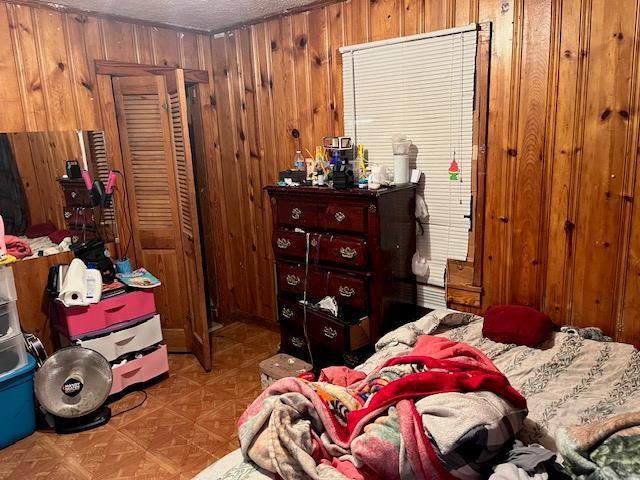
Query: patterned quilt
<point>569,381</point>
<point>603,450</point>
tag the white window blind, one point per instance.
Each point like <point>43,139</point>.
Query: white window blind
<point>421,86</point>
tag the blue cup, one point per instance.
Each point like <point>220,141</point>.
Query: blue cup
<point>123,265</point>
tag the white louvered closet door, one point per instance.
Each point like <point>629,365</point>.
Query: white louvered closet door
<point>421,86</point>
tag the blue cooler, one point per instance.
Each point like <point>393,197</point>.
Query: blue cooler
<point>17,405</point>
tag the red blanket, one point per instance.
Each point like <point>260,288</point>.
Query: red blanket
<point>348,412</point>
<point>17,247</point>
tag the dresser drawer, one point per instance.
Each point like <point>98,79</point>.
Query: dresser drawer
<point>344,251</point>
<point>292,340</point>
<point>349,290</point>
<point>297,213</point>
<point>324,248</point>
<point>327,333</point>
<point>290,244</point>
<point>344,218</point>
<point>291,280</point>
<point>79,216</point>
<point>290,311</point>
<point>77,197</point>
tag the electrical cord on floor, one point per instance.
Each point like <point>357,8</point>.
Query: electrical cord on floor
<point>304,300</point>
<point>135,406</point>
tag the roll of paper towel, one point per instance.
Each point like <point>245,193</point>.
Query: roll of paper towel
<point>74,287</point>
<point>81,285</point>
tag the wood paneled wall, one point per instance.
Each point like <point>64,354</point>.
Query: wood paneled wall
<point>561,230</point>
<point>562,233</point>
<point>47,63</point>
<point>48,83</point>
<point>41,158</point>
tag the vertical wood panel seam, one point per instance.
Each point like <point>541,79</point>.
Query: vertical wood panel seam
<point>628,184</point>
<point>549,119</point>
<point>509,199</point>
<point>72,70</point>
<point>181,57</point>
<point>154,55</point>
<point>97,104</point>
<point>201,60</point>
<point>234,126</point>
<point>451,13</point>
<point>103,39</point>
<point>328,55</point>
<point>308,83</point>
<point>43,78</point>
<point>550,130</point>
<point>577,147</point>
<point>260,136</point>
<point>262,140</point>
<point>19,63</point>
<point>136,44</point>
<point>247,152</point>
<point>367,22</point>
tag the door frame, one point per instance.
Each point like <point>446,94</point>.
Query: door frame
<point>105,71</point>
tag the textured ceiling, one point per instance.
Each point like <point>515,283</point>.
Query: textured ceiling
<point>201,14</point>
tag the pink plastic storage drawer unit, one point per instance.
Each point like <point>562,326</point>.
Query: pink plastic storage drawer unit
<point>140,370</point>
<point>75,321</point>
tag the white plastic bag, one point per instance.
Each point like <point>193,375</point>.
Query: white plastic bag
<point>419,265</point>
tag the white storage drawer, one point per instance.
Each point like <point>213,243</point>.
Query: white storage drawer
<point>7,285</point>
<point>9,320</point>
<point>132,339</point>
<point>13,354</point>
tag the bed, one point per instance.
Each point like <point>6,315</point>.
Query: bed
<point>568,381</point>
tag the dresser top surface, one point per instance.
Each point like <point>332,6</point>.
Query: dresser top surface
<point>329,191</point>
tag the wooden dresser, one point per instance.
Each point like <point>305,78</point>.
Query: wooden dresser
<point>78,212</point>
<point>359,250</point>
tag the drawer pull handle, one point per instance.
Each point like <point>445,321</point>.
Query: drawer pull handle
<point>296,213</point>
<point>346,292</point>
<point>329,332</point>
<point>74,194</point>
<point>348,252</point>
<point>67,215</point>
<point>287,313</point>
<point>293,280</point>
<point>283,243</point>
<point>297,342</point>
<point>339,216</point>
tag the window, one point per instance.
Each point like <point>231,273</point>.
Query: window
<point>421,86</point>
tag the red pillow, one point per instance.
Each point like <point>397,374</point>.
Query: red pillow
<point>516,324</point>
<point>40,230</point>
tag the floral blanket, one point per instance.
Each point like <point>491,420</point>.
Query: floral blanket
<point>349,425</point>
<point>604,450</point>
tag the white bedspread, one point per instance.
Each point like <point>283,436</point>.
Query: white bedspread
<point>568,381</point>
